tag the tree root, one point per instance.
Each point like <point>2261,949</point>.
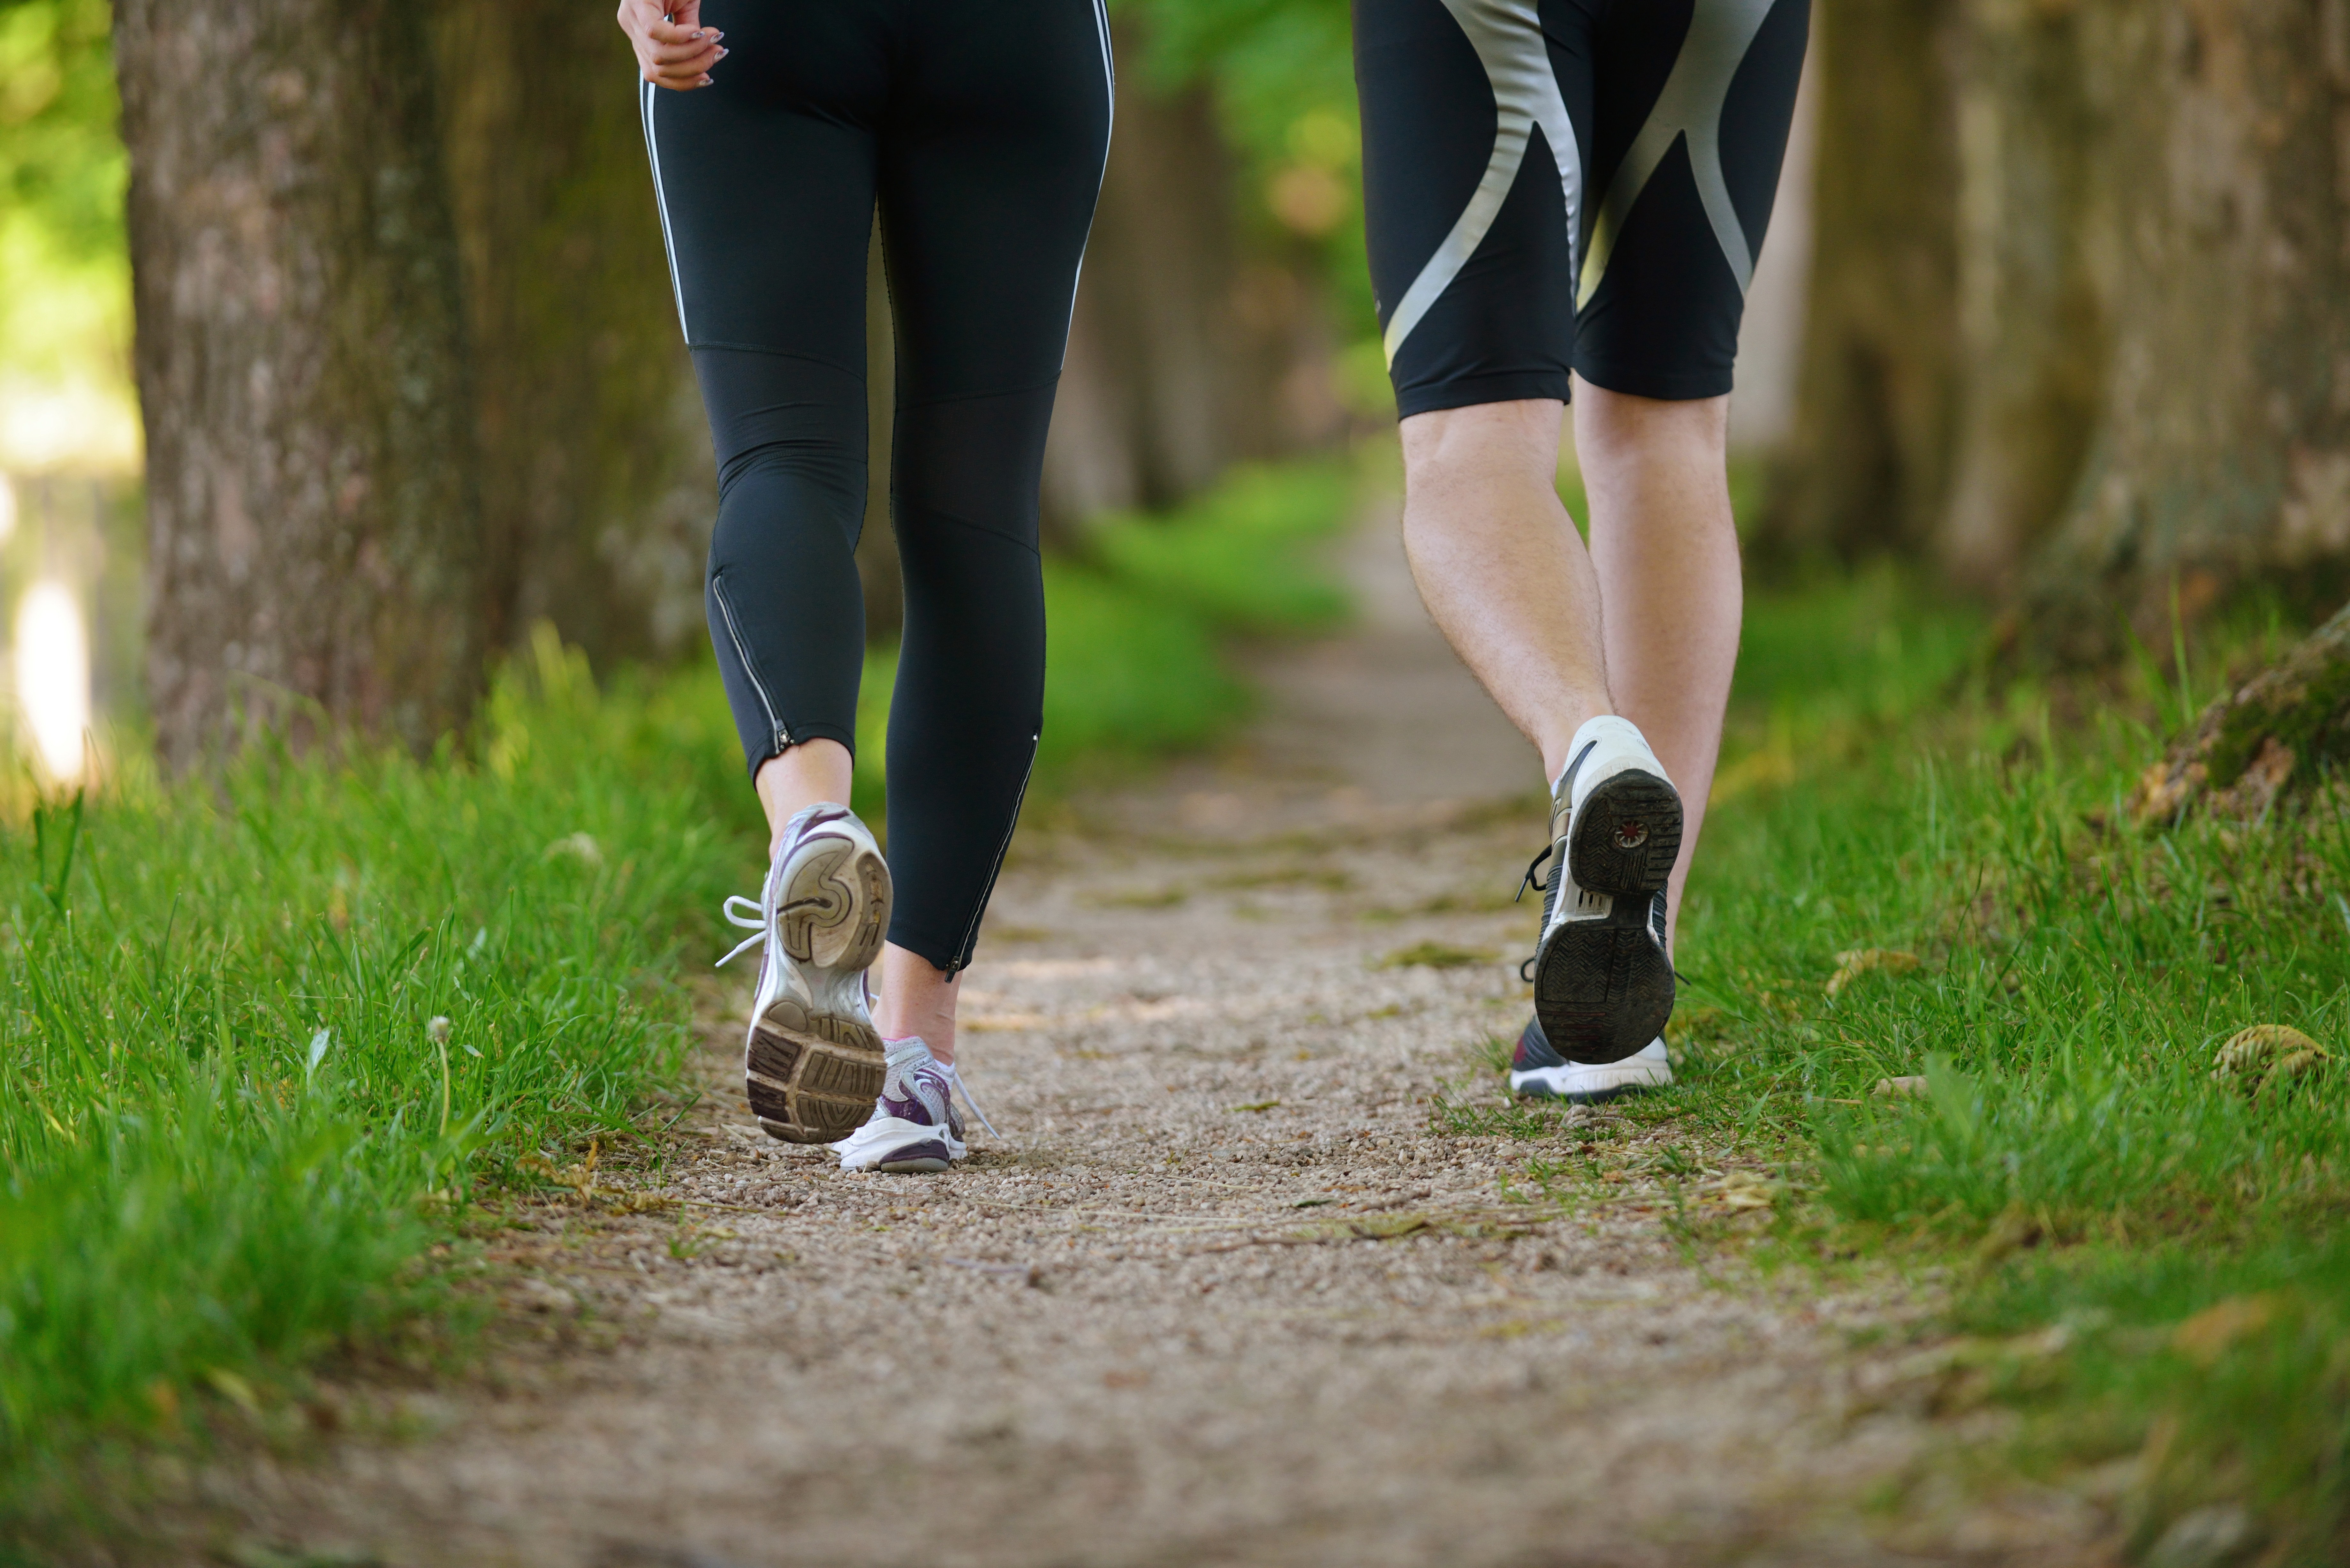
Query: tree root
<point>2273,735</point>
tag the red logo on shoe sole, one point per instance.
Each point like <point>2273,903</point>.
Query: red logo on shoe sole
<point>1631,834</point>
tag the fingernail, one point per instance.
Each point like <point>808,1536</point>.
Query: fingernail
<point>723,53</point>
<point>715,35</point>
<point>699,33</point>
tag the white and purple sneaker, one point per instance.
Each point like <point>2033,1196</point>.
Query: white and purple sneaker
<point>812,1060</point>
<point>914,1125</point>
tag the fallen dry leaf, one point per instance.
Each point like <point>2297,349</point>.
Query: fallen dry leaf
<point>2266,1055</point>
<point>1851,966</point>
<point>1746,1189</point>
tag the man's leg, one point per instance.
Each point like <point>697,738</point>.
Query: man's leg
<point>1503,573</point>
<point>1500,567</point>
<point>1666,553</point>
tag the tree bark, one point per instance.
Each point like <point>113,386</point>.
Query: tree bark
<point>315,553</point>
<point>595,464</point>
<point>1869,466</point>
<point>2279,729</point>
<point>2031,326</point>
<point>2221,450</point>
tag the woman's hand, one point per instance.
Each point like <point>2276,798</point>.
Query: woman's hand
<point>673,49</point>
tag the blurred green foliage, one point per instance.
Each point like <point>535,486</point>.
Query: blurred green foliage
<point>60,159</point>
<point>66,311</point>
<point>1283,77</point>
<point>1239,556</point>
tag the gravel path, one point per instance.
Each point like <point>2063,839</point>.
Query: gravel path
<point>1226,1291</point>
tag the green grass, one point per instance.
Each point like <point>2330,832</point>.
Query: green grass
<point>2075,979</point>
<point>231,1133</point>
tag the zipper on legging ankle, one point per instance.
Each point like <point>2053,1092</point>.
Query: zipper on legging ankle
<point>971,933</point>
<point>750,670</point>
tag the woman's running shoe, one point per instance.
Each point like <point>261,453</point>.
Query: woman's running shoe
<point>812,1063</point>
<point>1603,981</point>
<point>913,1126</point>
<point>1540,1072</point>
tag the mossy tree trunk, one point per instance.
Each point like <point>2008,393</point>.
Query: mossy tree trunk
<point>2032,334</point>
<point>596,468</point>
<point>2220,453</point>
<point>2080,316</point>
<point>314,538</point>
<point>1869,466</point>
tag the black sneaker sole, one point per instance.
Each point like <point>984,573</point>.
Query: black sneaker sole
<point>1626,837</point>
<point>1603,989</point>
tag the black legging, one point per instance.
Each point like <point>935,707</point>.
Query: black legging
<point>981,126</point>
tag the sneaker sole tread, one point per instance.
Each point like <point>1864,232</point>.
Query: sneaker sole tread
<point>1603,989</point>
<point>812,1076</point>
<point>1635,805</point>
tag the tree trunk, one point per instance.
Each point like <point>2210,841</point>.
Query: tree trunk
<point>596,465</point>
<point>2031,326</point>
<point>1868,467</point>
<point>2281,729</point>
<point>2221,451</point>
<point>1184,356</point>
<point>314,554</point>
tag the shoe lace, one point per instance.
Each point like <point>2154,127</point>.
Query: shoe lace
<point>955,1079</point>
<point>750,918</point>
<point>1527,882</point>
<point>1525,968</point>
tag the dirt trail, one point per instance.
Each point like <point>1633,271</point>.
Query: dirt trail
<point>1220,1294</point>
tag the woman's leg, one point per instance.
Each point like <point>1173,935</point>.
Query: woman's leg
<point>988,178</point>
<point>766,180</point>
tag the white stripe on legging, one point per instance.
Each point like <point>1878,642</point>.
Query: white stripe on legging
<point>1109,65</point>
<point>661,201</point>
<point>1508,37</point>
<point>1109,87</point>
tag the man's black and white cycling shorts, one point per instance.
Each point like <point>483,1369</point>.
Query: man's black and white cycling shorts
<point>1556,185</point>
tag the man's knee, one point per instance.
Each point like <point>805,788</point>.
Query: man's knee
<point>1619,426</point>
<point>1482,443</point>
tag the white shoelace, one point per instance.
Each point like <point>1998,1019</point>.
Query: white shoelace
<point>955,1080</point>
<point>755,921</point>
